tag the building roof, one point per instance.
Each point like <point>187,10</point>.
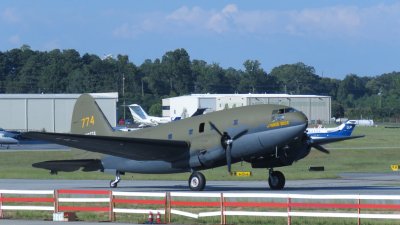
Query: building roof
<point>255,96</point>
<point>112,95</point>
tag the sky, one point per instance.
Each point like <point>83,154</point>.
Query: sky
<point>336,37</point>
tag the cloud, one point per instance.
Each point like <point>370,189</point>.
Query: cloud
<point>331,22</point>
<point>10,15</point>
<point>221,21</point>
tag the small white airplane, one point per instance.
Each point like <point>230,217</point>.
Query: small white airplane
<point>141,117</point>
<point>7,138</point>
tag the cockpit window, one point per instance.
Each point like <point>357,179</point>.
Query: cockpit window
<point>279,114</point>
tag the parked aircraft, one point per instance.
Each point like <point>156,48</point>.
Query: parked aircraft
<point>343,130</point>
<point>11,134</point>
<point>140,116</point>
<point>267,136</point>
<point>7,141</point>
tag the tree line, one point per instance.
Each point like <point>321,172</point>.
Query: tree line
<point>23,70</point>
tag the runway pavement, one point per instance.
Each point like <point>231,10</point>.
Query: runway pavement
<point>33,145</point>
<point>350,183</point>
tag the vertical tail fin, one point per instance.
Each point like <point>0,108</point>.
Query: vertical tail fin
<point>347,129</point>
<point>87,118</point>
<point>138,113</point>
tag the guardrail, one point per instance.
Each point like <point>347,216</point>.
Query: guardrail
<point>197,205</point>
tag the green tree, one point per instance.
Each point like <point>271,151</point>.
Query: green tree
<point>296,78</point>
<point>176,66</point>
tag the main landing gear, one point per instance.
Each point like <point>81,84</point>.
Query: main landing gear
<point>276,180</point>
<point>197,181</point>
<point>114,183</point>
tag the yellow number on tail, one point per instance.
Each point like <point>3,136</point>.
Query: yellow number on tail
<point>92,120</point>
<point>87,120</point>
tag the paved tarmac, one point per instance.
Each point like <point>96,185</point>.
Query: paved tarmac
<point>33,145</point>
<point>350,183</point>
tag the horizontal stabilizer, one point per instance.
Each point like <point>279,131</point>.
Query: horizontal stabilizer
<point>125,147</point>
<point>70,165</point>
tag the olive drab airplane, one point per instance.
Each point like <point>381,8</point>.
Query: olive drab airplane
<point>266,136</point>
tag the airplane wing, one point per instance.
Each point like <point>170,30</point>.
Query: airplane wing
<point>327,140</point>
<point>131,148</point>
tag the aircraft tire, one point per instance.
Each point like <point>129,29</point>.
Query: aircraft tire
<point>113,184</point>
<point>197,181</point>
<point>276,180</point>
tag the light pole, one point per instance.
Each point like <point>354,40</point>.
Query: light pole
<point>123,91</point>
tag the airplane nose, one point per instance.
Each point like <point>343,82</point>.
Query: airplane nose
<point>304,118</point>
<point>301,118</point>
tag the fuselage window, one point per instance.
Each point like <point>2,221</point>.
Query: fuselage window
<point>201,128</point>
<point>190,131</point>
<point>169,136</point>
<point>235,122</point>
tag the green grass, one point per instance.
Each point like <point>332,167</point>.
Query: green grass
<point>374,153</point>
<point>242,220</point>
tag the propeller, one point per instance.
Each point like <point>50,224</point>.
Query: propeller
<point>226,143</point>
<point>315,145</point>
<point>320,148</point>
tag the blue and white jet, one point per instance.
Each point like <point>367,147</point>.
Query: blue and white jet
<point>344,130</point>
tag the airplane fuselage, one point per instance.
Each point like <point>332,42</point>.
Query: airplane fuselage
<point>269,129</point>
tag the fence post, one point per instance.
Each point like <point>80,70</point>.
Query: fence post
<point>55,196</point>
<point>223,217</point>
<point>168,202</point>
<point>289,219</point>
<point>111,215</point>
<point>359,210</point>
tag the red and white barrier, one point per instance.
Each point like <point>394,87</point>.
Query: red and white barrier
<point>188,204</point>
<point>25,197</point>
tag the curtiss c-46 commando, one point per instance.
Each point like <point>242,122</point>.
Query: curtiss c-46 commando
<point>266,136</point>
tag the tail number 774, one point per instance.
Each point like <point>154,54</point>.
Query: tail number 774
<point>87,120</point>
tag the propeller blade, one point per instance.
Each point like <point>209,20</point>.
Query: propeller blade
<point>215,128</point>
<point>228,158</point>
<point>320,148</point>
<point>240,134</point>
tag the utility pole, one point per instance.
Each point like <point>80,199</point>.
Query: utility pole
<point>123,91</point>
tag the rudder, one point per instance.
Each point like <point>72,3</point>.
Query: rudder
<point>87,118</point>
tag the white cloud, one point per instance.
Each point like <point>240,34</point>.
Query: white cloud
<point>334,21</point>
<point>187,15</point>
<point>221,21</point>
<point>10,15</point>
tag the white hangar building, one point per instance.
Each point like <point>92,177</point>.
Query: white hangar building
<point>51,112</point>
<point>315,107</point>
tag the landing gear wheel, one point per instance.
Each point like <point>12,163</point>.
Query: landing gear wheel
<point>276,180</point>
<point>197,181</point>
<point>114,183</point>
